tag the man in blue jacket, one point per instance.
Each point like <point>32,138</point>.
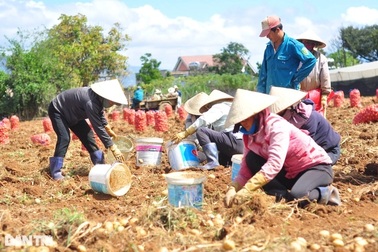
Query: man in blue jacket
<point>286,61</point>
<point>138,97</point>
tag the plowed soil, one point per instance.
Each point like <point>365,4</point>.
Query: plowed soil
<point>77,218</point>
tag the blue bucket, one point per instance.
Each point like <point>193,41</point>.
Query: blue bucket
<point>185,189</point>
<point>236,161</point>
<point>182,155</point>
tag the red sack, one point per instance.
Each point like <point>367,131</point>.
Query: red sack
<point>47,125</point>
<point>42,139</point>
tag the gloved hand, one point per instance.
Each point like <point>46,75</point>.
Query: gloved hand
<point>230,195</point>
<point>117,154</point>
<point>110,132</point>
<point>324,101</point>
<point>256,182</point>
<point>184,134</point>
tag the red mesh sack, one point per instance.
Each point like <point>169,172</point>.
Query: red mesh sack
<point>115,115</point>
<point>15,122</point>
<point>140,121</point>
<point>315,96</point>
<point>125,113</point>
<point>368,114</point>
<point>161,121</point>
<point>42,139</point>
<point>131,118</point>
<point>355,98</point>
<point>150,115</point>
<point>4,133</point>
<point>182,113</point>
<point>168,110</point>
<point>7,123</point>
<point>338,99</point>
<point>47,125</point>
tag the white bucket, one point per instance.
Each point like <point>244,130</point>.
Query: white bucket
<point>236,161</point>
<point>185,189</point>
<point>148,151</point>
<point>182,155</point>
<point>124,144</point>
<point>113,179</point>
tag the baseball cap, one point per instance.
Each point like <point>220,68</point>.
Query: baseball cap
<point>268,23</point>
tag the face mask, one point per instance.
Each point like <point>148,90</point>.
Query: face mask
<point>251,131</point>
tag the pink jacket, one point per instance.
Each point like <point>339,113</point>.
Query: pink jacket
<point>283,146</point>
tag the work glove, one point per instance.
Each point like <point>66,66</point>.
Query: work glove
<point>324,101</point>
<point>110,132</point>
<point>184,134</point>
<point>117,154</point>
<point>256,182</point>
<point>230,195</point>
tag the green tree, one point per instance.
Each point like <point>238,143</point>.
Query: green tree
<point>149,70</point>
<point>84,52</point>
<point>362,43</point>
<point>230,60</point>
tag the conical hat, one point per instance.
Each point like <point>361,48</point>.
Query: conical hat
<point>193,105</point>
<point>216,96</point>
<point>246,104</point>
<point>310,35</point>
<point>110,90</point>
<point>285,98</point>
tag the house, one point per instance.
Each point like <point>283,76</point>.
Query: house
<point>200,63</point>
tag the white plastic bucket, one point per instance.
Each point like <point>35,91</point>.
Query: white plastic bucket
<point>125,145</point>
<point>236,161</point>
<point>185,189</point>
<point>113,179</point>
<point>148,151</point>
<point>182,155</point>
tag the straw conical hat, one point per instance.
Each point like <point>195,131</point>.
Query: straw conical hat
<point>216,96</point>
<point>310,35</point>
<point>285,98</point>
<point>193,105</point>
<point>246,104</point>
<point>110,90</point>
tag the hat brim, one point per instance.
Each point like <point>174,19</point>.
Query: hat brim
<point>264,33</point>
<point>216,96</point>
<point>110,90</point>
<point>193,105</point>
<point>246,104</point>
<point>285,98</point>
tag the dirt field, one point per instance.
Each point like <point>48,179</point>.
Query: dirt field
<point>79,219</point>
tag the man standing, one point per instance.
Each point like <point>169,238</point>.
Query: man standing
<point>138,97</point>
<point>286,61</point>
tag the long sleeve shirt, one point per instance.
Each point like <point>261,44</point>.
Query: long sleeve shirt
<point>286,67</point>
<point>319,77</point>
<point>283,146</point>
<point>78,104</point>
<point>305,117</point>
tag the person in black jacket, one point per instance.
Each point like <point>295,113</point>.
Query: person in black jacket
<point>69,111</point>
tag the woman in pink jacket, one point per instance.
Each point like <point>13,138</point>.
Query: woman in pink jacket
<point>278,157</point>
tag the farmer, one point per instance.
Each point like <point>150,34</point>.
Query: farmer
<point>319,79</point>
<point>286,61</point>
<point>218,143</point>
<point>157,95</point>
<point>138,97</point>
<point>277,157</point>
<point>68,111</point>
<point>303,115</point>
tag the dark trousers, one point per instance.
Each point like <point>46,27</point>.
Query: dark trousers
<point>334,153</point>
<point>303,185</point>
<point>62,131</point>
<point>226,142</point>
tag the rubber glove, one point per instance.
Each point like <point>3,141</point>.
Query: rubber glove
<point>184,134</point>
<point>110,132</point>
<point>230,195</point>
<point>117,154</point>
<point>256,182</point>
<point>324,101</point>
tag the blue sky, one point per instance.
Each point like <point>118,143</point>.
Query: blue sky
<point>171,28</point>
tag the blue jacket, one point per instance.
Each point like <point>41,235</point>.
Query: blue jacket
<point>138,95</point>
<point>287,67</point>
